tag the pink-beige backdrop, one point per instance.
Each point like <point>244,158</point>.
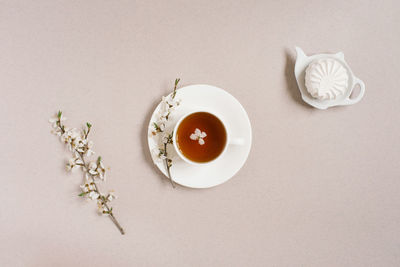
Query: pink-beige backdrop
<point>320,188</point>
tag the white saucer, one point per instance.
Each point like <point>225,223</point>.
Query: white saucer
<point>238,124</point>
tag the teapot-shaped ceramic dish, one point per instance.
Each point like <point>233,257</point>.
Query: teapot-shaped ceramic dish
<point>302,62</point>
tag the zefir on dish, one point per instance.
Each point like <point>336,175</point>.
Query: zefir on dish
<point>326,80</point>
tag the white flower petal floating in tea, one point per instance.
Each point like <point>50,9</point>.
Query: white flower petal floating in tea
<point>199,136</point>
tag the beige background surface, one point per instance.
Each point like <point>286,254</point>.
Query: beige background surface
<point>320,188</point>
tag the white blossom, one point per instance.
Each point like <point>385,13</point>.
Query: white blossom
<point>173,103</point>
<point>155,154</point>
<point>111,196</point>
<point>71,137</point>
<point>168,104</point>
<point>101,208</point>
<point>164,103</point>
<point>89,150</point>
<point>163,116</point>
<point>70,165</point>
<point>93,195</point>
<point>82,145</point>
<point>57,131</point>
<point>88,187</point>
<point>73,163</point>
<point>79,144</point>
<point>161,126</point>
<point>199,136</point>
<point>92,168</point>
<point>101,170</point>
<point>164,109</point>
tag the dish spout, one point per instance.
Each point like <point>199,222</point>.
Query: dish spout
<point>300,54</point>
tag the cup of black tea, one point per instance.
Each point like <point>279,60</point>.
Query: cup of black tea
<point>201,137</point>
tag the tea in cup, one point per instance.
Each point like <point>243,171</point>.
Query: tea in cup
<point>201,137</point>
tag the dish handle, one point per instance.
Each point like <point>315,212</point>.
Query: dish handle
<point>348,100</point>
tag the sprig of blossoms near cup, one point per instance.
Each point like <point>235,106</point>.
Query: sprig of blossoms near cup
<point>81,147</point>
<point>168,104</point>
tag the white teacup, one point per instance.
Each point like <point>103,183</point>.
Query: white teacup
<point>229,139</point>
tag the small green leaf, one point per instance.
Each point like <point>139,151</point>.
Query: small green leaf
<point>99,159</point>
<point>82,194</point>
<point>59,114</point>
<point>174,92</point>
<point>88,125</point>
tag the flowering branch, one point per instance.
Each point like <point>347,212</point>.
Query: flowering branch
<point>78,143</point>
<point>168,104</point>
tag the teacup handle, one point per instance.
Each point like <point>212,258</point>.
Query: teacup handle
<point>348,100</point>
<point>236,141</point>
